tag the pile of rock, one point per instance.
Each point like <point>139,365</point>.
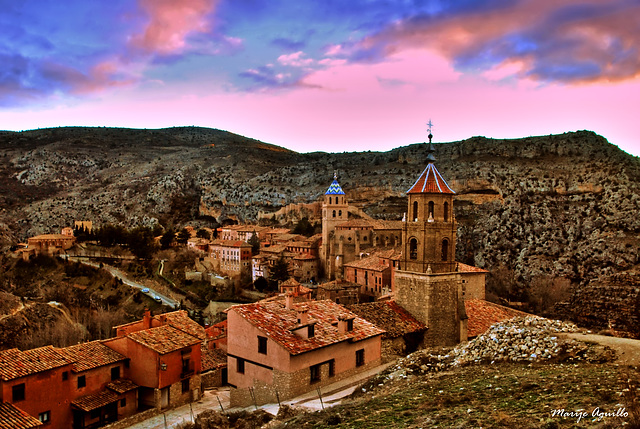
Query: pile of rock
<point>522,339</point>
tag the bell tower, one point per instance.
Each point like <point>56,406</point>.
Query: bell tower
<point>429,227</point>
<point>335,210</point>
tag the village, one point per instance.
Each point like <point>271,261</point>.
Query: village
<point>326,306</point>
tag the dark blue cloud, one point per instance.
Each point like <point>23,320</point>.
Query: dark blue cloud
<point>289,44</point>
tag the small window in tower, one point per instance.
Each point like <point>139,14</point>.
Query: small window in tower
<point>413,249</point>
<point>431,205</point>
<point>334,213</point>
<point>329,200</point>
<point>446,212</point>
<point>415,211</point>
<point>445,249</point>
<point>340,213</point>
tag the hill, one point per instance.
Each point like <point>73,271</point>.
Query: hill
<point>534,210</point>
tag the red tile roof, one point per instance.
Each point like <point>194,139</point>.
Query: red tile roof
<point>181,320</point>
<point>390,316</point>
<point>277,322</point>
<point>212,359</point>
<point>371,263</point>
<point>92,355</point>
<point>164,339</point>
<point>12,417</point>
<point>464,268</point>
<point>430,182</point>
<point>356,223</point>
<point>482,314</point>
<point>122,385</point>
<point>338,285</point>
<point>15,363</point>
<point>95,401</point>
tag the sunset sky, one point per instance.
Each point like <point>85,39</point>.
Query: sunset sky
<point>330,75</point>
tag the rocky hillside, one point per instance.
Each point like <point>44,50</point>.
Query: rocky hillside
<point>559,205</point>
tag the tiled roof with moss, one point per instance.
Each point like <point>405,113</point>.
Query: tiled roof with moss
<point>482,314</point>
<point>92,355</point>
<point>15,363</point>
<point>390,316</point>
<point>164,339</point>
<point>12,417</point>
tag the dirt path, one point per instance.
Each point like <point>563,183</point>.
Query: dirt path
<point>627,350</point>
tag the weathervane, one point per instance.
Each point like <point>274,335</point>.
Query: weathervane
<point>429,124</point>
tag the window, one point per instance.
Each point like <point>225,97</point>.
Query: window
<point>329,200</point>
<point>115,373</point>
<point>431,209</point>
<point>445,249</point>
<point>262,345</point>
<point>17,392</point>
<point>65,375</point>
<point>185,385</point>
<point>45,417</point>
<point>82,381</point>
<point>240,365</point>
<point>334,213</point>
<point>314,373</point>
<point>446,212</point>
<point>413,249</point>
<point>360,357</point>
<point>415,211</point>
<point>94,414</point>
<point>123,402</point>
<point>332,367</point>
<point>350,325</point>
<point>311,331</point>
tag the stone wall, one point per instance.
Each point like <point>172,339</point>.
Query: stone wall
<point>609,303</point>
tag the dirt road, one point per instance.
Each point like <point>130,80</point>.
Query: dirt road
<point>627,350</point>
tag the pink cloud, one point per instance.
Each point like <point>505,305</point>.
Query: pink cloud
<point>574,41</point>
<point>171,21</point>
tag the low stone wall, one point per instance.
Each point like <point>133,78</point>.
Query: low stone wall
<point>136,418</point>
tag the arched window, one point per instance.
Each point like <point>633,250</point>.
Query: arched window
<point>445,250</point>
<point>430,210</point>
<point>340,213</point>
<point>334,213</point>
<point>413,249</point>
<point>329,200</point>
<point>415,211</point>
<point>446,211</point>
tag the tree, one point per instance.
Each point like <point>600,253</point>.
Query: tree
<point>183,236</point>
<point>167,238</point>
<point>254,241</point>
<point>279,271</point>
<point>203,233</point>
<point>304,227</point>
<point>141,242</point>
<point>261,284</point>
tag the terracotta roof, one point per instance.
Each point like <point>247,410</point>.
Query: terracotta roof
<point>229,243</point>
<point>390,316</point>
<point>388,224</point>
<point>122,385</point>
<point>482,314</point>
<point>12,417</point>
<point>334,188</point>
<point>92,355</point>
<point>464,268</point>
<point>15,363</point>
<point>392,253</point>
<point>212,359</point>
<point>356,223</point>
<point>181,320</point>
<point>52,237</point>
<point>97,400</point>
<point>370,263</point>
<point>338,285</point>
<point>305,257</point>
<point>430,182</point>
<point>276,321</point>
<point>290,282</point>
<point>164,339</point>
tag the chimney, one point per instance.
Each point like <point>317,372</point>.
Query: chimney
<point>146,319</point>
<point>289,301</point>
<point>345,324</point>
<point>303,316</point>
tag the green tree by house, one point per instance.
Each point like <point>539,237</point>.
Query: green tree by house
<point>254,241</point>
<point>278,272</point>
<point>167,238</point>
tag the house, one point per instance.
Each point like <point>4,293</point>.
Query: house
<point>12,417</point>
<point>165,363</point>
<point>373,276</point>
<point>279,349</point>
<point>339,291</point>
<point>231,257</point>
<point>100,391</point>
<point>37,382</point>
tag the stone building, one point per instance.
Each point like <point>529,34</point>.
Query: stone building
<point>429,283</point>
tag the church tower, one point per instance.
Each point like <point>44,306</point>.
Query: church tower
<point>335,210</point>
<point>429,227</point>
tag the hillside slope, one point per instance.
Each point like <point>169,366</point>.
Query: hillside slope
<point>559,205</point>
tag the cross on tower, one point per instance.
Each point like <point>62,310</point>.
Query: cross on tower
<point>429,124</point>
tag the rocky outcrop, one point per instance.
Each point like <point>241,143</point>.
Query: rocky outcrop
<point>610,303</point>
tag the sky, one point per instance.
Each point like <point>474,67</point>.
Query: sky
<point>325,75</point>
